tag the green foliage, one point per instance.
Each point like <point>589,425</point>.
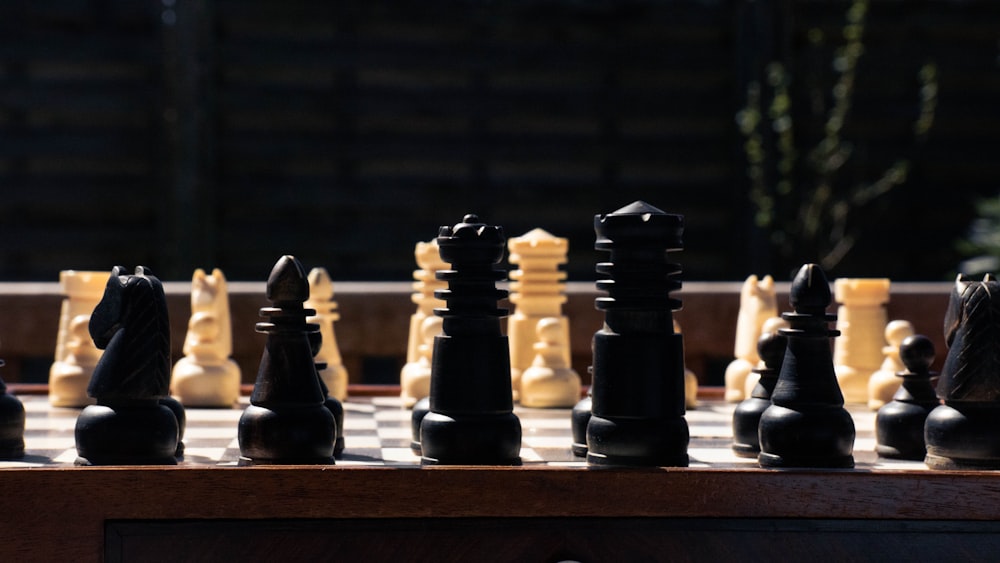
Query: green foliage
<point>802,196</point>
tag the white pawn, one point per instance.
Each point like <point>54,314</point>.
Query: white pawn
<point>550,382</point>
<point>770,326</point>
<point>415,379</point>
<point>206,376</point>
<point>70,373</point>
<point>884,383</point>
<point>757,304</point>
<point>334,375</point>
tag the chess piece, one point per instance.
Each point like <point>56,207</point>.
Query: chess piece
<point>883,384</point>
<point>757,304</point>
<point>537,291</point>
<point>334,375</point>
<point>420,410</point>
<point>579,419</point>
<point>690,380</point>
<point>287,422</point>
<point>772,325</point>
<point>550,382</point>
<point>11,424</point>
<point>415,379</point>
<point>429,259</point>
<point>471,419</point>
<point>806,424</point>
<point>746,417</point>
<point>331,403</point>
<point>861,320</point>
<point>962,432</point>
<point>637,415</point>
<point>129,425</point>
<point>76,356</point>
<point>899,424</point>
<point>206,376</point>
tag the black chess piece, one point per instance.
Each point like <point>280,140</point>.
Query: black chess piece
<point>806,424</point>
<point>287,421</point>
<point>899,424</point>
<point>746,417</point>
<point>471,419</point>
<point>11,424</point>
<point>420,410</point>
<point>962,432</point>
<point>177,408</point>
<point>129,425</point>
<point>332,404</point>
<point>579,419</point>
<point>637,414</point>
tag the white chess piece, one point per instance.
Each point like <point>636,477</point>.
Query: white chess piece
<point>415,379</point>
<point>550,382</point>
<point>861,320</point>
<point>206,376</point>
<point>884,383</point>
<point>429,260</point>
<point>70,373</point>
<point>757,304</point>
<point>537,291</point>
<point>334,375</point>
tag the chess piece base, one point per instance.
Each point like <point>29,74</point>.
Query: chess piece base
<point>899,431</point>
<point>480,439</point>
<point>746,422</point>
<point>548,388</point>
<point>68,385</point>
<point>420,410</point>
<point>140,433</point>
<point>196,385</point>
<point>814,438</point>
<point>963,436</point>
<point>580,419</point>
<point>736,379</point>
<point>660,442</point>
<point>289,436</point>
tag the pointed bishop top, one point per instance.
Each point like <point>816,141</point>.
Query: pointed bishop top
<point>320,285</point>
<point>287,282</point>
<point>810,292</point>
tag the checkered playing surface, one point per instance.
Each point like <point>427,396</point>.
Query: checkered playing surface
<point>377,432</point>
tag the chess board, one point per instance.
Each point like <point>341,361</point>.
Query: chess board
<point>377,433</point>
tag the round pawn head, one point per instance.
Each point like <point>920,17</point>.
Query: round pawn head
<point>549,330</point>
<point>771,348</point>
<point>288,282</point>
<point>897,331</point>
<point>917,353</point>
<point>810,292</point>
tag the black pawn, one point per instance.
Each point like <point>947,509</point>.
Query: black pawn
<point>130,424</point>
<point>11,424</point>
<point>806,424</point>
<point>899,424</point>
<point>471,419</point>
<point>287,421</point>
<point>746,417</point>
<point>962,433</point>
<point>332,404</point>
<point>637,414</point>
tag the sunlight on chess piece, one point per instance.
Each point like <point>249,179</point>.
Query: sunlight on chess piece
<point>415,379</point>
<point>206,376</point>
<point>537,291</point>
<point>770,326</point>
<point>861,320</point>
<point>68,377</point>
<point>334,375</point>
<point>884,383</point>
<point>757,304</point>
<point>690,381</point>
<point>426,283</point>
<point>550,382</point>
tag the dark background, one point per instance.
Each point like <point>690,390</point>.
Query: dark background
<point>195,133</point>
